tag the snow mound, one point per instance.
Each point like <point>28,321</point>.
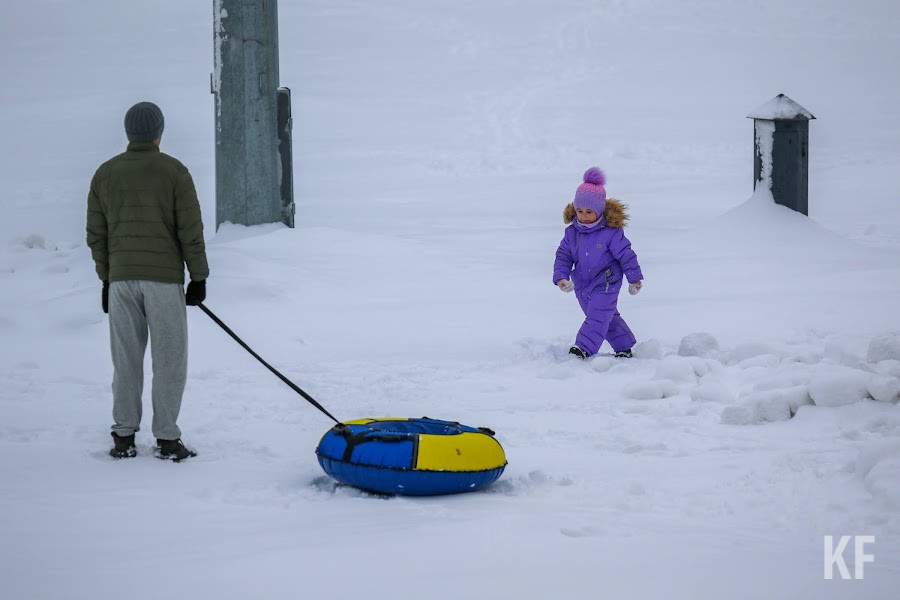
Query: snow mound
<point>883,388</point>
<point>767,412</point>
<point>879,466</point>
<point>712,391</point>
<point>838,386</point>
<point>738,415</point>
<point>888,367</point>
<point>884,347</point>
<point>767,406</point>
<point>805,354</point>
<point>773,403</point>
<point>36,241</point>
<point>651,390</point>
<point>699,344</point>
<point>838,353</point>
<point>676,368</point>
<point>704,366</point>
<point>750,350</point>
<point>648,349</point>
<point>773,410</point>
<point>784,379</point>
<point>763,361</point>
<point>604,363</point>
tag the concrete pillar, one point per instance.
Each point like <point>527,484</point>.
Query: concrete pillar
<point>249,169</point>
<point>781,151</point>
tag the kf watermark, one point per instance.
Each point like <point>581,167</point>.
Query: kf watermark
<point>834,555</point>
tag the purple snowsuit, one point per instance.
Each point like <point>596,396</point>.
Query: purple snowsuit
<point>595,259</point>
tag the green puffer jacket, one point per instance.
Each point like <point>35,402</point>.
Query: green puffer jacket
<point>143,218</point>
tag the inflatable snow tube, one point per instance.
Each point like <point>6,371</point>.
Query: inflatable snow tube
<point>412,457</point>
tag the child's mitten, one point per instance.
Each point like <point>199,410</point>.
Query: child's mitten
<point>565,285</point>
<point>634,288</point>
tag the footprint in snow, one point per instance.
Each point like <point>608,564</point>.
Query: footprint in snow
<point>581,532</point>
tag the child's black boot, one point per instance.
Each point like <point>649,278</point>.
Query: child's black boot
<point>624,354</point>
<point>578,352</point>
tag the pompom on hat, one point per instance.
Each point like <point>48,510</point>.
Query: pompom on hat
<point>144,122</point>
<point>591,194</point>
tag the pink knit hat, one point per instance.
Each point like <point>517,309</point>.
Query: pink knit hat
<point>591,194</point>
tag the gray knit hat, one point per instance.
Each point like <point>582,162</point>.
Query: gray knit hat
<point>144,122</point>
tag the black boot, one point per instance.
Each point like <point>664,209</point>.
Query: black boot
<point>624,354</point>
<point>124,446</point>
<point>578,352</point>
<point>173,450</point>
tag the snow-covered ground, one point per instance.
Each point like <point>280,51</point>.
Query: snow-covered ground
<point>436,144</point>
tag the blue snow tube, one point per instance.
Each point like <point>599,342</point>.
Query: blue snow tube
<point>412,457</point>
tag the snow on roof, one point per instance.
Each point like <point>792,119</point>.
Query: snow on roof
<point>780,107</point>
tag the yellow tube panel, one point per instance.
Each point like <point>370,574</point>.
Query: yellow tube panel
<point>466,451</point>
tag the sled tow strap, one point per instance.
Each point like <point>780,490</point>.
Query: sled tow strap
<point>290,383</point>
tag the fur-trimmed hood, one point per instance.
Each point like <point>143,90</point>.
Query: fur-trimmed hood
<point>614,213</point>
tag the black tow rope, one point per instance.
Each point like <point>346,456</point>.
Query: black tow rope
<point>290,383</point>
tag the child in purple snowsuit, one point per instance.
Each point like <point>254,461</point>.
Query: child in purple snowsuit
<point>596,255</point>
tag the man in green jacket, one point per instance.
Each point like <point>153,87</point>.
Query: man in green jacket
<point>143,227</point>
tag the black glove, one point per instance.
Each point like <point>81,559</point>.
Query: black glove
<point>104,297</point>
<point>196,293</point>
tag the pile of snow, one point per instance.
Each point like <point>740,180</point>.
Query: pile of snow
<point>699,344</point>
<point>766,407</point>
<point>884,347</point>
<point>651,390</point>
<point>793,377</point>
<point>836,385</point>
<point>712,391</point>
<point>753,353</point>
<point>879,467</point>
<point>883,388</point>
<point>679,369</point>
<point>648,349</point>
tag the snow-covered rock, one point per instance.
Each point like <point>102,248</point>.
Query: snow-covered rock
<point>651,390</point>
<point>883,388</point>
<point>699,344</point>
<point>838,386</point>
<point>884,347</point>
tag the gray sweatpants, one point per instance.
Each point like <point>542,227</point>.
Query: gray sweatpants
<point>136,308</point>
